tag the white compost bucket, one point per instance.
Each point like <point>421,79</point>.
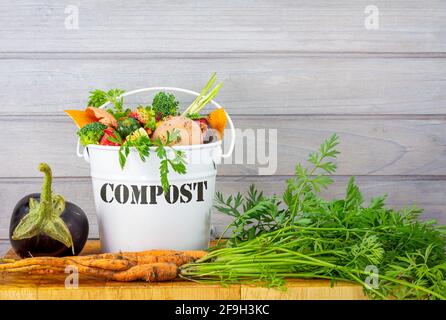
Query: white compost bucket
<point>133,213</point>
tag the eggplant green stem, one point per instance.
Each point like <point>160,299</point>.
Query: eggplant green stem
<point>46,194</point>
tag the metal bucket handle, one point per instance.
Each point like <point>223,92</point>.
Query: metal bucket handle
<point>193,93</point>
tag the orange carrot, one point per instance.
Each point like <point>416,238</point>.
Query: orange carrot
<point>51,261</point>
<point>106,264</point>
<point>177,259</point>
<point>150,265</point>
<point>28,269</point>
<point>195,254</point>
<point>148,272</point>
<point>148,256</point>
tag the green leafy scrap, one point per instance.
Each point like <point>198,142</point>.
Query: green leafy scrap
<point>99,97</point>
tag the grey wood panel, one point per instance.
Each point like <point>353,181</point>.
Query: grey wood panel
<point>252,84</point>
<point>402,191</point>
<point>223,26</point>
<point>4,246</point>
<point>369,146</point>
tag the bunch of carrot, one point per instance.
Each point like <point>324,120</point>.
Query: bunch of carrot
<point>150,265</point>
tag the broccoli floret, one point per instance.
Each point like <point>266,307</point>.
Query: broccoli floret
<point>165,104</point>
<point>91,133</point>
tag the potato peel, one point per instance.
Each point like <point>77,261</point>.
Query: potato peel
<point>102,116</point>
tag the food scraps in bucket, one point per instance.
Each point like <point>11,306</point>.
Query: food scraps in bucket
<point>158,125</point>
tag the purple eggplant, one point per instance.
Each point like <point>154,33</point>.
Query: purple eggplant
<point>46,225</point>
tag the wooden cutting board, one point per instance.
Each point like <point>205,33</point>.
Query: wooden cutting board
<point>20,286</point>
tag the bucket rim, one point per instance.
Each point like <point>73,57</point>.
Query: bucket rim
<point>187,147</point>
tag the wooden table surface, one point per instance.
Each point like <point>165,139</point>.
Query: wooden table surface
<point>23,286</point>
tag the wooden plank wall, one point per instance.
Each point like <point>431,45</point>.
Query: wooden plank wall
<point>305,68</point>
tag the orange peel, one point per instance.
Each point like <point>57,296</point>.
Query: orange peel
<point>217,120</point>
<point>80,117</point>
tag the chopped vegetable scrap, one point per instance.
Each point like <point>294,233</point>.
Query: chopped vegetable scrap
<point>145,116</point>
<point>217,120</point>
<point>102,116</point>
<point>189,131</point>
<point>127,126</point>
<point>159,125</point>
<point>105,141</point>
